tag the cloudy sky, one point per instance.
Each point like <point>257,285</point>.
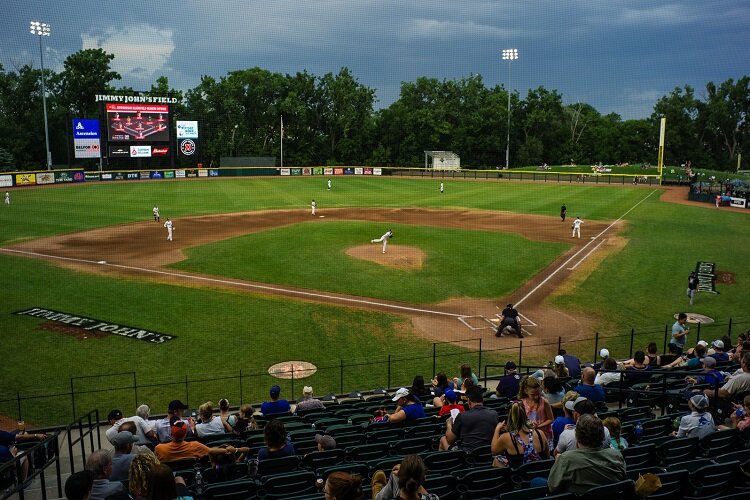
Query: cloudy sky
<point>618,55</point>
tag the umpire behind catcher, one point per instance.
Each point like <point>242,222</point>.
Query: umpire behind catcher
<point>509,323</point>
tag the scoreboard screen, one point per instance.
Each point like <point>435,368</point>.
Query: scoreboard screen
<point>143,123</point>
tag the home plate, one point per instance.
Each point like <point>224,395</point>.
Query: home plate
<point>102,262</point>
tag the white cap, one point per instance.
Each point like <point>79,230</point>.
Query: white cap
<point>718,344</point>
<point>604,353</point>
<point>703,343</point>
<point>559,360</point>
<point>307,390</point>
<point>401,393</point>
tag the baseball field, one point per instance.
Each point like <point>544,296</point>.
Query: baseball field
<point>253,279</point>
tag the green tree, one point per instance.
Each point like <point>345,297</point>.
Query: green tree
<point>85,74</point>
<point>725,117</point>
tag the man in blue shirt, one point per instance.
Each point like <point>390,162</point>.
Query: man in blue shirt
<point>276,405</point>
<point>587,388</point>
<point>679,332</point>
<point>507,386</point>
<point>409,408</point>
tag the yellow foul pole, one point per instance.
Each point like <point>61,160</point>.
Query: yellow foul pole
<point>661,147</point>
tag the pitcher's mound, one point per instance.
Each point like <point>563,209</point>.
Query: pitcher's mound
<point>401,256</point>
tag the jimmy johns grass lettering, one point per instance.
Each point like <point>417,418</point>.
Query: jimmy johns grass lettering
<point>90,324</point>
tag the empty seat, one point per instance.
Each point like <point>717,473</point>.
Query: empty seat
<point>278,465</point>
<point>347,440</point>
<point>528,471</point>
<point>384,434</point>
<point>482,482</point>
<point>325,458</point>
<point>672,484</point>
<point>711,480</point>
<point>677,450</point>
<point>622,490</point>
<point>284,486</point>
<point>479,457</point>
<point>231,490</point>
<point>444,461</point>
<point>409,446</point>
<point>719,443</point>
<point>367,452</point>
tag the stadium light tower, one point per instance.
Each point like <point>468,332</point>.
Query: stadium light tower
<point>42,30</point>
<point>509,55</point>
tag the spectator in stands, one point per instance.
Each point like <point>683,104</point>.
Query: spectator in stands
<point>277,444</point>
<point>78,485</point>
<point>567,441</point>
<point>450,403</point>
<point>603,354</point>
<point>210,425</point>
<point>163,427</point>
<point>221,464</point>
<point>140,470</point>
<point>608,377</point>
<point>343,486</point>
<point>679,333</point>
<point>408,408</point>
<point>588,466</point>
<point>507,386</point>
<point>100,464</point>
<point>558,426</point>
<point>225,414</point>
<point>308,402</point>
<point>588,388</point>
<point>538,410</point>
<point>740,417</point>
<point>709,375</point>
<point>560,369</point>
<point>121,458</point>
<point>736,384</point>
<point>553,391</point>
<point>144,428</point>
<point>614,426</point>
<point>700,423</point>
<point>717,351</point>
<point>179,449</point>
<point>651,355</point>
<point>276,405</point>
<point>515,443</point>
<point>164,485</point>
<point>439,384</point>
<point>465,373</point>
<point>136,449</point>
<point>406,481</point>
<point>670,357</point>
<point>572,363</point>
<point>419,390</point>
<point>473,428</point>
<point>8,450</point>
<point>741,348</point>
<point>245,419</point>
<point>639,371</point>
<point>325,442</point>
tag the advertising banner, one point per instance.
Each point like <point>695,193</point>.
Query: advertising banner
<point>6,180</point>
<point>45,178</point>
<point>144,175</point>
<point>159,151</point>
<point>737,202</point>
<point>157,175</point>
<point>213,173</point>
<point>285,171</point>
<point>328,171</point>
<point>140,151</point>
<point>338,171</point>
<point>62,177</point>
<point>119,151</point>
<point>25,179</point>
<point>187,129</point>
<point>706,276</point>
<point>179,174</point>
<point>138,122</point>
<point>107,176</point>
<point>132,176</point>
<point>87,148</point>
<point>368,170</point>
<point>307,171</point>
<point>202,173</point>
<point>318,171</point>
<point>91,176</point>
<point>169,174</point>
<point>85,128</point>
<point>377,171</point>
<point>191,173</point>
<point>187,147</point>
<point>296,171</point>
<point>118,176</point>
<point>358,171</point>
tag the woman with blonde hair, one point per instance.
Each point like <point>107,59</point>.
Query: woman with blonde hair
<point>245,419</point>
<point>515,442</point>
<point>140,470</point>
<point>210,425</point>
<point>616,440</point>
<point>538,409</point>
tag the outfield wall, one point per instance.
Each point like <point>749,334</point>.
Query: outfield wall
<point>47,177</point>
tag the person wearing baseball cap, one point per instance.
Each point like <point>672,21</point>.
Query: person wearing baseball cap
<point>507,386</point>
<point>408,409</point>
<point>308,402</point>
<point>578,407</point>
<point>179,449</point>
<point>450,403</point>
<point>560,369</point>
<point>276,405</point>
<point>717,351</point>
<point>163,427</point>
<point>121,458</point>
<point>700,422</point>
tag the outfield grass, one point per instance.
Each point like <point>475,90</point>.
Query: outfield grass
<point>306,255</point>
<point>222,332</point>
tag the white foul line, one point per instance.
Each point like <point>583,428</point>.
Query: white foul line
<point>572,257</point>
<point>241,284</point>
<point>585,256</point>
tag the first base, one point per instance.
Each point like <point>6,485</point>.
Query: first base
<point>322,216</point>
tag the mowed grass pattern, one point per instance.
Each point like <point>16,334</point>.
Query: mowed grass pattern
<point>312,255</point>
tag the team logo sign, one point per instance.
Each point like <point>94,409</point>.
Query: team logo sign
<point>187,147</point>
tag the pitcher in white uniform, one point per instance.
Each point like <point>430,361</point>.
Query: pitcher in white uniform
<point>388,235</point>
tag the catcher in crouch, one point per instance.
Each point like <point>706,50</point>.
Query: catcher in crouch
<point>510,323</point>
<point>387,236</point>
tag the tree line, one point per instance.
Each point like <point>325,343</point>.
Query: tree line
<point>332,120</point>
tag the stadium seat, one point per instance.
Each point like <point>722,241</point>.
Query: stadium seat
<point>424,430</point>
<point>278,465</point>
<point>303,435</point>
<point>444,461</point>
<point>325,458</point>
<point>347,440</point>
<point>284,486</point>
<point>410,446</point>
<point>479,457</point>
<point>677,450</point>
<point>384,434</point>
<point>337,430</point>
<point>366,452</point>
<point>486,481</point>
<point>359,418</point>
<point>690,465</point>
<point>241,489</point>
<point>528,471</point>
<point>357,469</point>
<point>657,427</point>
<point>184,464</point>
<point>229,472</point>
<point>525,494</point>
<point>711,480</point>
<point>255,440</point>
<point>742,456</point>
<point>622,490</point>
<point>311,416</point>
<point>719,443</point>
<point>672,485</point>
<point>324,423</point>
<point>442,485</point>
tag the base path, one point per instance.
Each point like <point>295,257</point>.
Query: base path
<point>142,250</point>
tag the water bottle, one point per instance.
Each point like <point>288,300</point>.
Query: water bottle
<point>739,412</point>
<point>638,430</point>
<point>198,480</point>
<point>252,467</point>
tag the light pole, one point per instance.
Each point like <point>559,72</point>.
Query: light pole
<point>509,55</point>
<point>234,131</point>
<point>43,29</point>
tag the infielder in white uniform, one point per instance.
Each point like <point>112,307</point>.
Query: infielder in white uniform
<point>313,205</point>
<point>157,218</point>
<point>329,184</point>
<point>7,198</point>
<point>441,187</point>
<point>388,235</point>
<point>577,227</point>
<point>169,227</point>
